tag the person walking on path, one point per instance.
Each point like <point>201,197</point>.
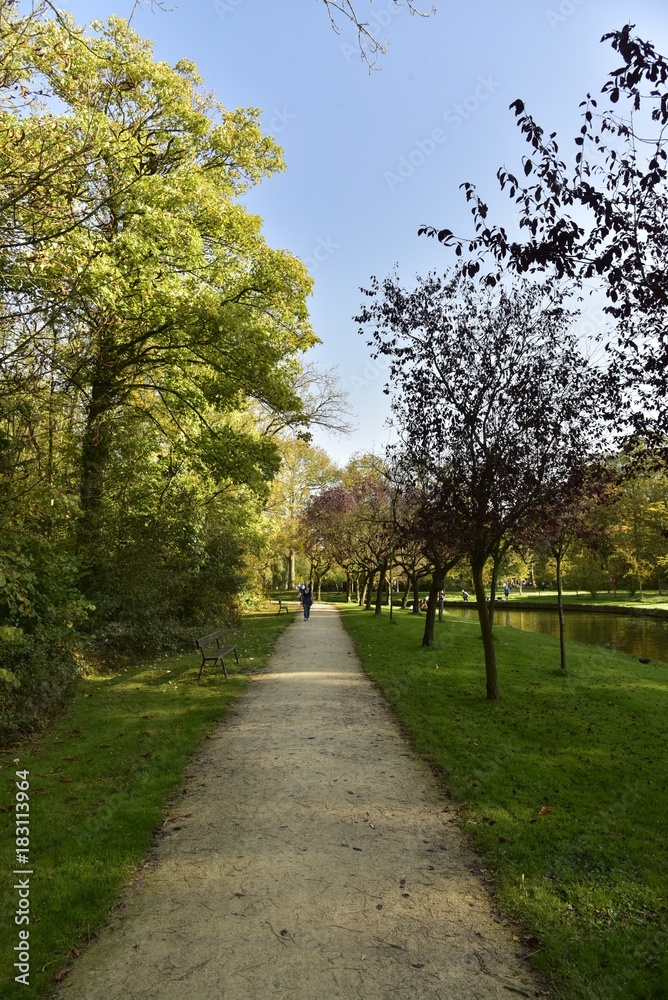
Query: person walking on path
<point>315,857</point>
<point>307,601</point>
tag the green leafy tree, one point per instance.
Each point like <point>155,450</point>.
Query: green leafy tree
<point>162,294</point>
<point>304,471</point>
<point>150,346</point>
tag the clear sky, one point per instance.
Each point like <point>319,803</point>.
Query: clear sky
<point>372,156</point>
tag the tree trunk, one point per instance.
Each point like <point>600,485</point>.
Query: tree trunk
<point>560,605</point>
<point>437,581</point>
<point>492,591</point>
<point>407,590</point>
<point>291,569</point>
<point>416,594</point>
<point>381,588</point>
<point>349,589</point>
<point>369,591</point>
<point>95,453</point>
<point>485,632</point>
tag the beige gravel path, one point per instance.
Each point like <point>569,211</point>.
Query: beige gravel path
<point>318,860</point>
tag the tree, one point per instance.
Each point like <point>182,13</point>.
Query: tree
<point>354,523</point>
<point>566,517</point>
<point>639,523</point>
<point>505,404</point>
<point>605,219</point>
<point>322,402</point>
<point>423,518</point>
<point>411,560</point>
<point>161,299</point>
<point>305,470</point>
<point>374,496</point>
<point>149,349</point>
<point>334,511</point>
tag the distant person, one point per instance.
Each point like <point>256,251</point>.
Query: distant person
<point>506,591</point>
<point>465,595</point>
<point>307,601</point>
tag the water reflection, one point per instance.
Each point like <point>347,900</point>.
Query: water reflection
<point>639,636</point>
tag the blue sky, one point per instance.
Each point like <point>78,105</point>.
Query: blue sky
<point>372,156</point>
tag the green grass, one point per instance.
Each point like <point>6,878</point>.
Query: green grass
<point>100,781</point>
<point>651,599</point>
<point>622,599</point>
<point>587,879</point>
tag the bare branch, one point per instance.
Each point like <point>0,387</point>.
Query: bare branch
<point>155,5</point>
<point>369,45</point>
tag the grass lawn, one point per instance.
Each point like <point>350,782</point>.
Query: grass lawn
<point>561,786</point>
<point>100,782</point>
<point>622,599</point>
<point>651,599</point>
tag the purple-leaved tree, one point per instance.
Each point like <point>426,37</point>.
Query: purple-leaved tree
<point>602,222</point>
<point>493,400</point>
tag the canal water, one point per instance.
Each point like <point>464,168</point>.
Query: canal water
<point>646,637</point>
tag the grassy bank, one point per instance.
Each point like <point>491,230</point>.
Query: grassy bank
<point>561,787</point>
<point>100,782</point>
<point>650,599</point>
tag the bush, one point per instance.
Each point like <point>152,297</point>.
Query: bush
<point>40,611</point>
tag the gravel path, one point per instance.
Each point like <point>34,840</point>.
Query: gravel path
<point>317,860</point>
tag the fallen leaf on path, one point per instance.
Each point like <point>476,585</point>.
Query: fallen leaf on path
<point>545,809</point>
<point>63,972</point>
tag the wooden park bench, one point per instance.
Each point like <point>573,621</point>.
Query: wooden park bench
<point>213,648</point>
<point>288,606</point>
